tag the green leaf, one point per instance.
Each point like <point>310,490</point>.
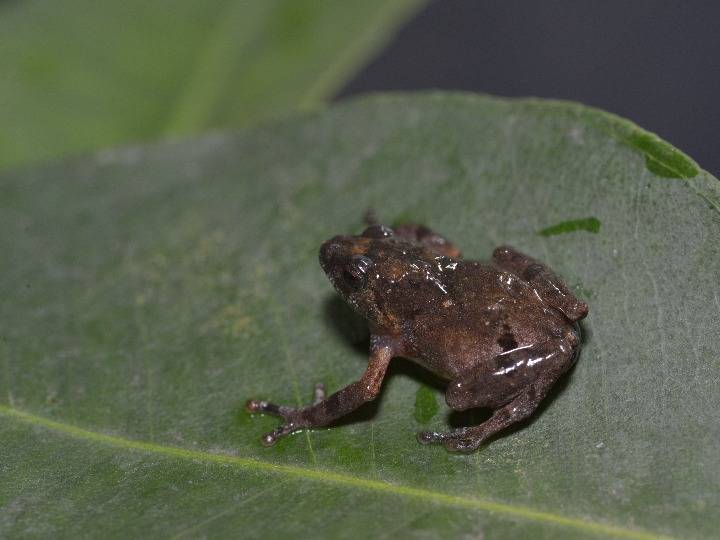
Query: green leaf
<point>148,292</point>
<point>81,75</point>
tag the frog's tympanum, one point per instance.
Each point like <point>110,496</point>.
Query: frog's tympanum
<point>501,333</point>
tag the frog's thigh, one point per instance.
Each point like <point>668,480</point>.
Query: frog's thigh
<point>546,283</point>
<point>512,373</point>
<point>520,407</point>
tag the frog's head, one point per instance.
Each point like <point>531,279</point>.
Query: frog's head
<point>381,276</point>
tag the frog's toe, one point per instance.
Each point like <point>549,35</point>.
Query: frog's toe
<point>288,414</point>
<point>319,393</point>
<point>258,406</point>
<point>454,441</point>
<point>462,445</point>
<point>429,437</point>
<point>269,439</point>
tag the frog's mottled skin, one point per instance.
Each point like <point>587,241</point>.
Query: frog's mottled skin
<point>500,333</point>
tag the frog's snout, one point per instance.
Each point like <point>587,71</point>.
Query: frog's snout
<point>331,250</point>
<point>334,254</point>
<point>329,247</point>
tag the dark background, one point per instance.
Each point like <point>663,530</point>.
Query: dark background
<point>656,63</point>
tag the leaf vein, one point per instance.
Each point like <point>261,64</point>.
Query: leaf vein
<point>328,477</point>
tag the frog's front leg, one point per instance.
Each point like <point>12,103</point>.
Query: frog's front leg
<point>324,411</point>
<point>551,289</point>
<point>522,379</point>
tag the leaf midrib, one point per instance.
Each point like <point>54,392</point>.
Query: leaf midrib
<point>319,475</point>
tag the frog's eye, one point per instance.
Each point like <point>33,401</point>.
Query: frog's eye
<point>377,231</point>
<point>356,272</point>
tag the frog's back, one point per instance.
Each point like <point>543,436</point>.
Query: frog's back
<point>486,312</point>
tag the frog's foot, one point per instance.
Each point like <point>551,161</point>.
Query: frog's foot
<point>460,440</point>
<point>290,415</point>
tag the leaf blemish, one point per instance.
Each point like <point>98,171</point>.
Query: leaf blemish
<point>576,135</point>
<point>662,159</point>
<point>590,224</point>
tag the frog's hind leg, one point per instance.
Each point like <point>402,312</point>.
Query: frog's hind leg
<point>514,392</point>
<point>424,235</point>
<point>551,289</point>
<point>414,232</point>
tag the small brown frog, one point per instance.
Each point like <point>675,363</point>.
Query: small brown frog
<point>501,333</point>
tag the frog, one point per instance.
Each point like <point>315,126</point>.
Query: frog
<point>500,333</point>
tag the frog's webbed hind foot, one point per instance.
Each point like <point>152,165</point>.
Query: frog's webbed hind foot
<point>290,415</point>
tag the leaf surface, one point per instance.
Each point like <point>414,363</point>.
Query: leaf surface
<point>148,292</point>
